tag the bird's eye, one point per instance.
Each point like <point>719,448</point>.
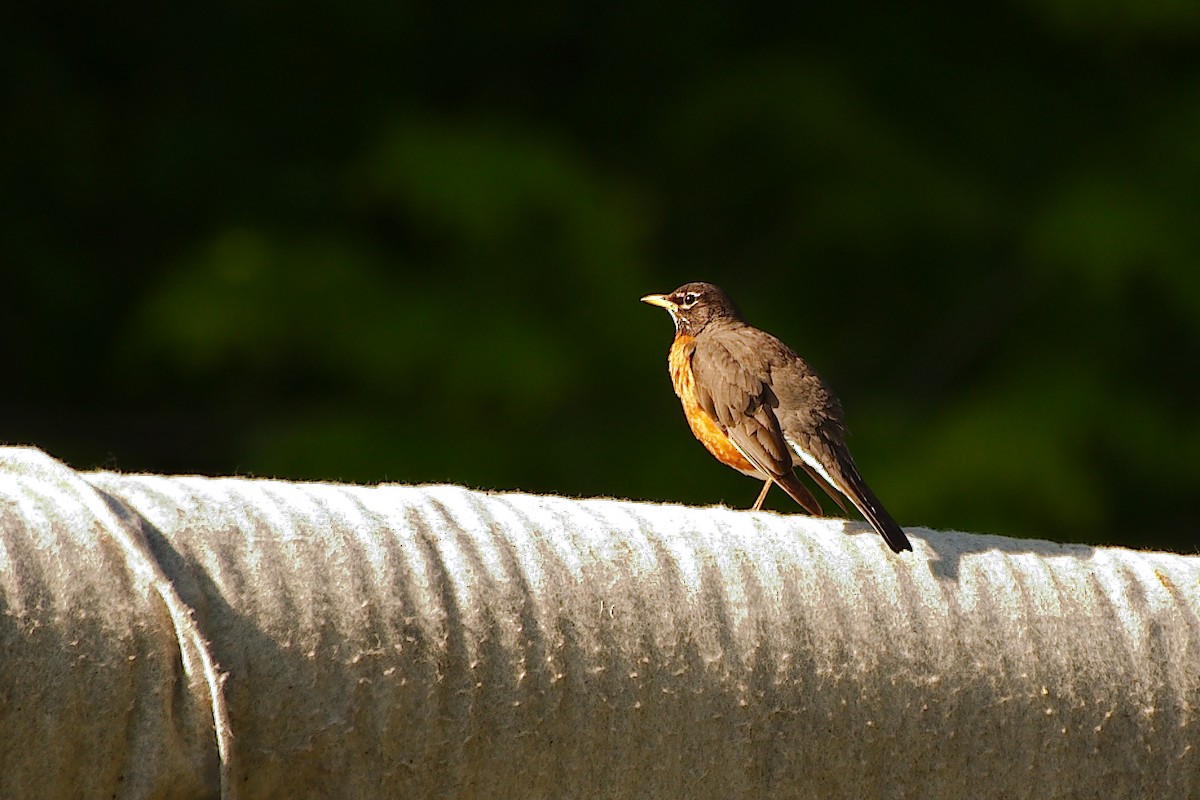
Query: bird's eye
<point>689,299</point>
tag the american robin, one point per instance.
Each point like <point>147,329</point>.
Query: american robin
<point>759,408</point>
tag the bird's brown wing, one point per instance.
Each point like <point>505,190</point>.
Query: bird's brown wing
<point>826,486</point>
<point>737,396</point>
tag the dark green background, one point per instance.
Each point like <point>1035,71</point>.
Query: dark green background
<point>365,242</point>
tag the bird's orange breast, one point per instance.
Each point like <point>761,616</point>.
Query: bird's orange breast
<point>703,426</point>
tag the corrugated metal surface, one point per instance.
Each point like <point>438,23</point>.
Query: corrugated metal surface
<point>439,642</point>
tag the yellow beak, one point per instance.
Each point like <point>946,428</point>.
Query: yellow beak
<point>659,300</point>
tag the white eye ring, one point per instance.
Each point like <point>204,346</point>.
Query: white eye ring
<point>690,299</point>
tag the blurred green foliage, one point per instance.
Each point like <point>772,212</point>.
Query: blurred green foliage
<point>367,242</point>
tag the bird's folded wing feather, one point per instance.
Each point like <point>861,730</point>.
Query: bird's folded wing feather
<point>742,404</point>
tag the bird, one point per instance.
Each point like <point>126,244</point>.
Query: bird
<point>760,408</point>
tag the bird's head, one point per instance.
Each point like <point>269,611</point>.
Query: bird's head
<point>695,305</point>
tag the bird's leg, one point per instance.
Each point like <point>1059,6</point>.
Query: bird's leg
<point>762,495</point>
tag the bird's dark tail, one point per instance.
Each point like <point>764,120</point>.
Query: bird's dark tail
<point>865,500</point>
